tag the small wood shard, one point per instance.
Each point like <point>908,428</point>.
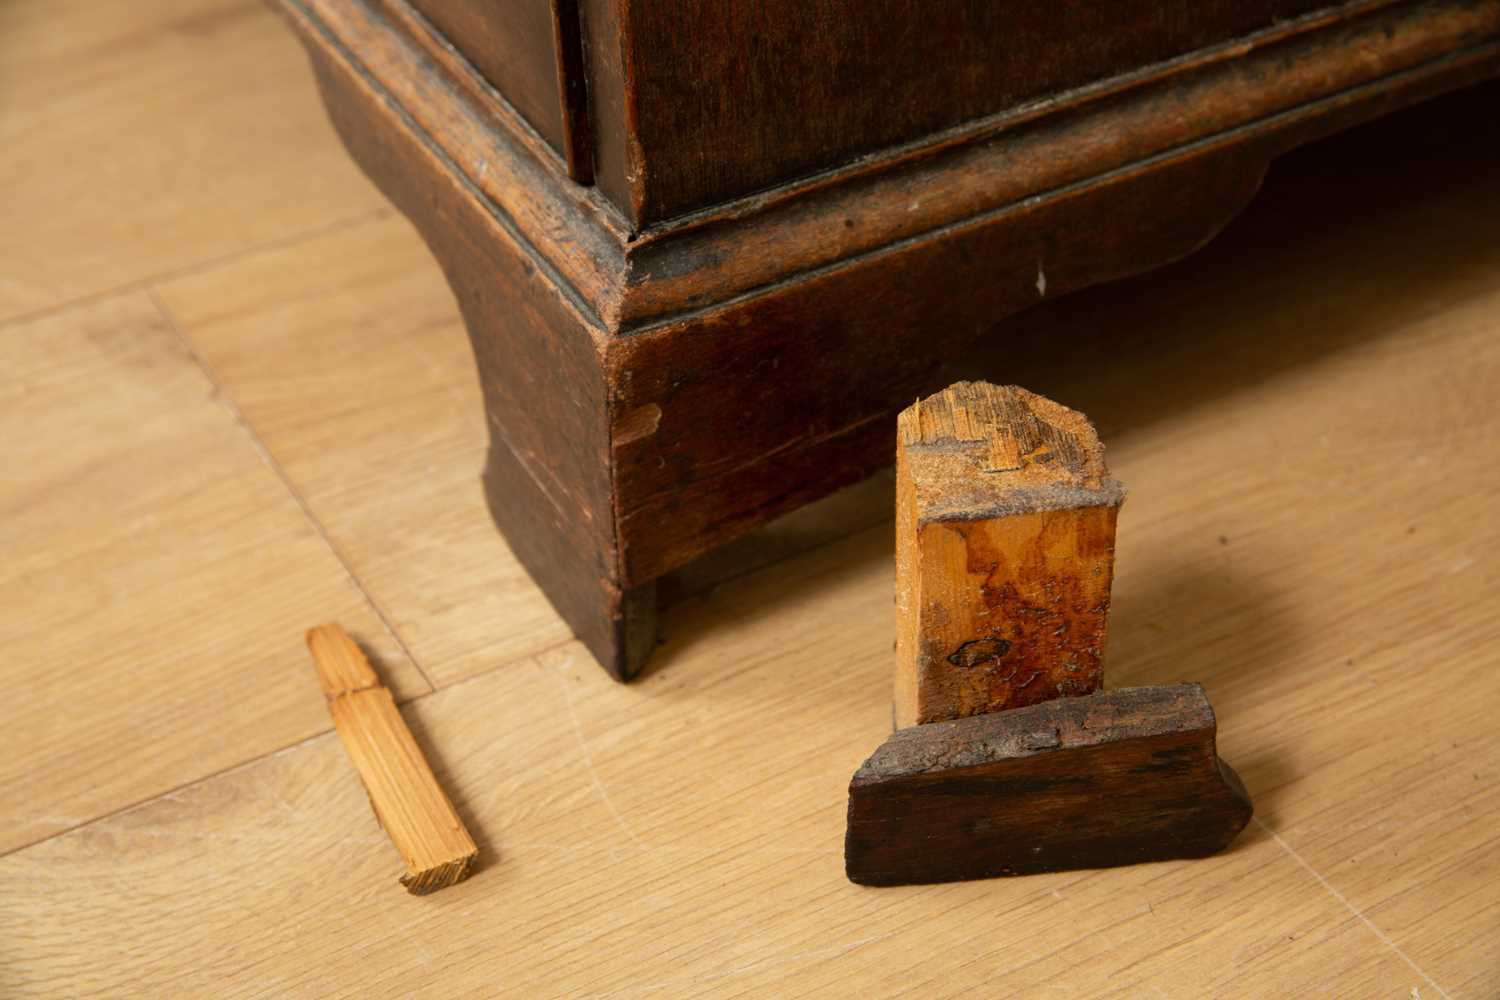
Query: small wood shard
<point>403,791</point>
<point>1005,530</point>
<point>1114,778</point>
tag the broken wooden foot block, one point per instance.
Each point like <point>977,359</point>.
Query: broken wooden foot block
<point>1112,778</point>
<point>1005,548</point>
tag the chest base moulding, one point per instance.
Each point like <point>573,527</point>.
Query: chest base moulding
<point>703,261</point>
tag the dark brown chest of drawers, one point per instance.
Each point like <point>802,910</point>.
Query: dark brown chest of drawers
<point>706,248</point>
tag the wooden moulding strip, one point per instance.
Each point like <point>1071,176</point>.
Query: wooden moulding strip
<point>629,280</point>
<point>403,791</point>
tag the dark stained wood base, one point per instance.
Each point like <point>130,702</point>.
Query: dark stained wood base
<point>654,393</point>
<point>617,625</point>
<point>1113,778</point>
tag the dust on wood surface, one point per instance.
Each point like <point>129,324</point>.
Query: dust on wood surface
<point>1067,724</point>
<point>990,450</point>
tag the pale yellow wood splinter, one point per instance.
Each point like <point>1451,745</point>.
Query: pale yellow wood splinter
<point>1005,539</point>
<point>403,791</point>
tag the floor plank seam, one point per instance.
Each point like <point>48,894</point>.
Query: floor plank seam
<point>265,454</point>
<point>247,762</point>
<point>168,792</point>
<point>1385,939</point>
<point>535,654</point>
<point>148,282</point>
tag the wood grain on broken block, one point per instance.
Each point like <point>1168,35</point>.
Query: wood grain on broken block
<point>1114,778</point>
<point>403,791</point>
<point>1005,529</point>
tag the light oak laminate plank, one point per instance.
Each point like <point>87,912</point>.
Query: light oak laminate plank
<point>155,576</point>
<point>138,139</point>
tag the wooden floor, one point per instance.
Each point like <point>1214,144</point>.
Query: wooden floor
<point>237,401</point>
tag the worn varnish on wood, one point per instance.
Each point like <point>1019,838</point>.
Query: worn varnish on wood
<point>725,99</point>
<point>1114,778</point>
<point>403,791</point>
<point>720,330</point>
<point>1005,532</point>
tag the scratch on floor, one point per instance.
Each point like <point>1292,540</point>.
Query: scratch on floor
<point>588,758</point>
<point>831,951</point>
<point>1351,908</point>
<point>296,837</point>
<point>273,789</point>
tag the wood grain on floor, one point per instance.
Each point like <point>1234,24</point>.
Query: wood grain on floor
<point>155,576</point>
<point>709,865</point>
<point>378,419</point>
<point>278,424</point>
<point>137,139</point>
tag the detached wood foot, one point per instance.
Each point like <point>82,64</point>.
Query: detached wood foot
<point>1114,778</point>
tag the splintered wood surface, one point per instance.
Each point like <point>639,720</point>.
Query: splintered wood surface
<point>1005,550</point>
<point>404,793</point>
<point>278,427</point>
